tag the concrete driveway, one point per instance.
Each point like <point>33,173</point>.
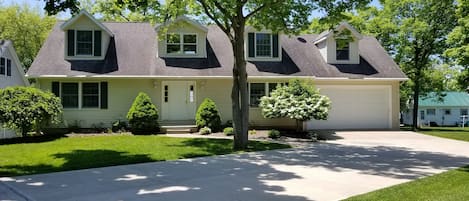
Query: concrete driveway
<point>355,163</point>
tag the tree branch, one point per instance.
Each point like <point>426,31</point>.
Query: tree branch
<point>224,27</point>
<point>255,11</point>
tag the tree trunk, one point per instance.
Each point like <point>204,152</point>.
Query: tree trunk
<point>239,94</point>
<point>299,126</point>
<point>416,95</point>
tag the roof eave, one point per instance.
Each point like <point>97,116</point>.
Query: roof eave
<point>69,22</point>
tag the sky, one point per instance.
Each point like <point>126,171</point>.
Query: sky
<point>39,4</point>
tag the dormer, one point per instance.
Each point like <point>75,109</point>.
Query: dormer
<point>339,46</point>
<point>262,45</point>
<point>85,38</point>
<point>182,38</point>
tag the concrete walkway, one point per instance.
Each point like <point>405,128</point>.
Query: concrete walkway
<point>355,163</point>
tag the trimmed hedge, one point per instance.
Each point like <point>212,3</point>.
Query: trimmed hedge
<point>208,116</point>
<point>143,116</point>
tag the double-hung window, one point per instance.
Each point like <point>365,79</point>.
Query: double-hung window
<point>463,112</point>
<point>90,95</point>
<point>84,43</point>
<point>180,43</point>
<point>69,95</point>
<point>81,94</point>
<point>342,49</point>
<point>263,45</point>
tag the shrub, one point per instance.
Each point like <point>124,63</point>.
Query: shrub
<point>119,126</point>
<point>27,108</point>
<point>274,134</point>
<point>298,100</point>
<point>143,115</point>
<point>205,131</point>
<point>228,131</point>
<point>313,136</point>
<point>207,115</point>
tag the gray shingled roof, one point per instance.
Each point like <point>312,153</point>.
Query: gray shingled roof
<point>133,53</point>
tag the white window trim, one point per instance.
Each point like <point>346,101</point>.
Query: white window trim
<point>181,44</point>
<point>80,96</point>
<point>76,43</point>
<point>271,46</point>
<point>349,50</point>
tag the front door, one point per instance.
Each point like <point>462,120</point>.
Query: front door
<point>178,100</point>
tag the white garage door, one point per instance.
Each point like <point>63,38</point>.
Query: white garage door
<point>356,107</point>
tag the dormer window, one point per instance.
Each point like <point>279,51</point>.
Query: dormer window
<point>263,46</point>
<point>181,43</point>
<point>84,43</point>
<point>342,49</point>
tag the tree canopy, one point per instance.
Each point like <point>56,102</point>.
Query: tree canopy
<point>27,28</point>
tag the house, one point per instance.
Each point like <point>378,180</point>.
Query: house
<point>11,74</point>
<point>442,111</point>
<point>97,68</point>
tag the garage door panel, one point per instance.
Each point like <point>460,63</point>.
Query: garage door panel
<point>356,107</point>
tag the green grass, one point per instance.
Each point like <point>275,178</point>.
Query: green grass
<point>447,186</point>
<point>456,133</point>
<point>49,154</point>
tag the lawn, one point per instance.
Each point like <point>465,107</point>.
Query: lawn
<point>456,133</point>
<point>447,186</point>
<point>49,154</point>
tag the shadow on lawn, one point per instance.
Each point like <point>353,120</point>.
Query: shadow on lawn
<point>31,139</point>
<point>77,159</point>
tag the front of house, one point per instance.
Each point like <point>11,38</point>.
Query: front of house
<point>98,68</point>
<point>11,74</point>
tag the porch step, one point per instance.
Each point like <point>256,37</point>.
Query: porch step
<point>179,129</point>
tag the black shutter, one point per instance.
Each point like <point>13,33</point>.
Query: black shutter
<point>2,66</point>
<point>251,52</point>
<point>275,45</point>
<point>8,67</point>
<point>104,95</point>
<point>71,42</point>
<point>56,88</point>
<point>97,43</point>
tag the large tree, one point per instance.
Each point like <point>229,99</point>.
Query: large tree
<point>458,39</point>
<point>27,28</point>
<point>232,17</point>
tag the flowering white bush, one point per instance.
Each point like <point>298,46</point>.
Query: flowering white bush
<point>298,100</point>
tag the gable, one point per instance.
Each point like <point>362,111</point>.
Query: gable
<point>180,28</point>
<point>13,72</point>
<point>86,38</point>
<point>84,20</point>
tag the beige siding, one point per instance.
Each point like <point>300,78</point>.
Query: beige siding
<point>122,92</point>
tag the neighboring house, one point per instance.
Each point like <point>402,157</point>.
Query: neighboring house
<point>98,68</point>
<point>11,74</point>
<point>447,111</point>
